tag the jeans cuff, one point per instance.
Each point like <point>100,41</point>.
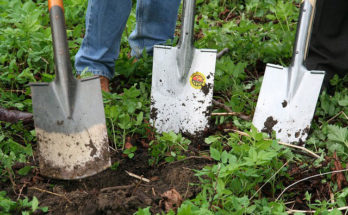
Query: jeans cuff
<point>98,73</point>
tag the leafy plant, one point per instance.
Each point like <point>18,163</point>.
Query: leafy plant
<point>227,184</point>
<point>130,152</point>
<point>338,134</point>
<point>125,113</point>
<point>24,206</point>
<point>169,146</point>
<point>255,31</point>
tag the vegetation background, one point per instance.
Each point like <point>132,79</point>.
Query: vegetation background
<point>250,171</point>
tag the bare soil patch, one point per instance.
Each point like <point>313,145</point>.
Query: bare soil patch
<point>112,191</point>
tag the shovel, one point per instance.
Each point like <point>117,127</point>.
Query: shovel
<point>69,115</point>
<point>182,82</point>
<point>288,96</point>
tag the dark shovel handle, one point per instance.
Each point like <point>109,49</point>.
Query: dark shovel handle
<point>63,65</point>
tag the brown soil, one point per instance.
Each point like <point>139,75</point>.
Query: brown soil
<point>315,186</point>
<point>269,124</point>
<point>112,191</point>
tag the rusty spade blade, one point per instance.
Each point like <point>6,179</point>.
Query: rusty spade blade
<point>69,115</point>
<point>182,82</point>
<point>288,96</point>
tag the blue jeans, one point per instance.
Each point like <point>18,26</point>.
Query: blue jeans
<point>105,23</point>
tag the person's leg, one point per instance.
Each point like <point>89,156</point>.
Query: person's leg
<point>105,22</point>
<point>328,49</point>
<point>156,21</point>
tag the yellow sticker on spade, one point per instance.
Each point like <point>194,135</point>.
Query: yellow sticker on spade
<point>197,80</point>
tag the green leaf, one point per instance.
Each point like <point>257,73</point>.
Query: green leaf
<point>140,118</point>
<point>343,102</point>
<point>5,203</point>
<point>335,212</point>
<point>20,106</point>
<point>344,193</point>
<point>215,154</point>
<point>169,159</point>
<point>173,154</point>
<point>338,134</point>
<point>2,137</point>
<point>34,204</point>
<point>32,132</point>
<point>25,170</point>
<point>144,211</point>
<point>211,139</point>
<point>125,122</point>
<point>113,112</point>
<point>44,209</point>
<point>225,156</point>
<point>115,165</point>
<point>220,185</point>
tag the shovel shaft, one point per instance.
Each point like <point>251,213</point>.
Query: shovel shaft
<point>297,69</point>
<point>187,25</point>
<point>185,47</point>
<point>60,42</point>
<point>64,83</point>
<point>303,33</point>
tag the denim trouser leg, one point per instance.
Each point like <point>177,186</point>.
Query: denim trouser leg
<point>156,21</point>
<point>105,22</point>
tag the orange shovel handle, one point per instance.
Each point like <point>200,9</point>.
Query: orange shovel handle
<point>52,3</point>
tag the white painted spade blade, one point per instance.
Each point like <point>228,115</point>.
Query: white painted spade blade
<point>290,120</point>
<point>182,106</point>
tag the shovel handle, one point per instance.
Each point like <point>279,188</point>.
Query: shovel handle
<point>52,3</point>
<point>187,25</point>
<point>303,33</point>
<point>185,48</point>
<point>63,65</point>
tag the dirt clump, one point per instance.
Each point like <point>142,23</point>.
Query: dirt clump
<point>206,89</point>
<point>171,200</point>
<point>269,124</point>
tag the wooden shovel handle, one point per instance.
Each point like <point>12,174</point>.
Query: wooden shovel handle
<point>52,3</point>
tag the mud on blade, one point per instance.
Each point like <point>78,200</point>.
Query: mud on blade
<point>182,106</point>
<point>70,147</point>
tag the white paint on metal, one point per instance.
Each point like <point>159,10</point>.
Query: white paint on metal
<point>293,116</point>
<point>175,104</point>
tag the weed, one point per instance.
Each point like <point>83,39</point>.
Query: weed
<point>168,146</point>
<point>255,31</point>
<point>26,207</point>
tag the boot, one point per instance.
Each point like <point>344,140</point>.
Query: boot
<point>104,83</point>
